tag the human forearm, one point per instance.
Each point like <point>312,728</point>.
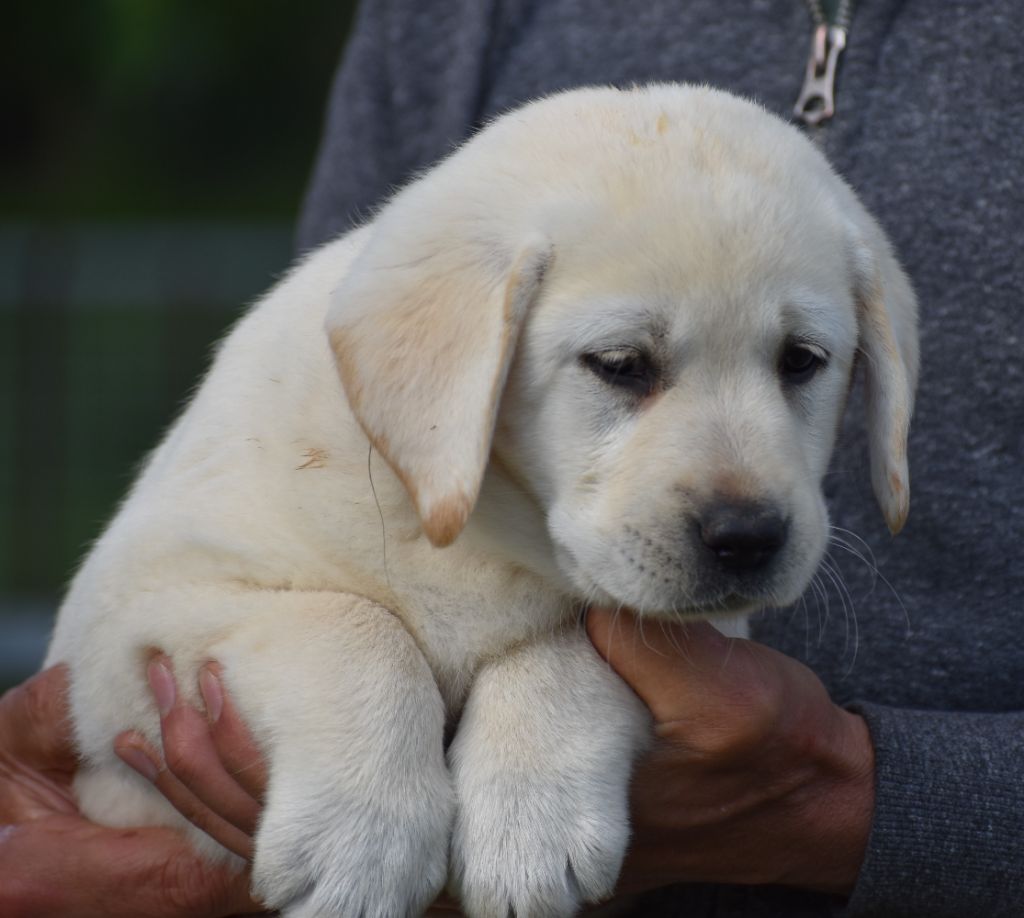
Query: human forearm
<point>948,833</point>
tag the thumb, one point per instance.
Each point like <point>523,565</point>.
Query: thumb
<point>663,662</point>
<point>35,725</point>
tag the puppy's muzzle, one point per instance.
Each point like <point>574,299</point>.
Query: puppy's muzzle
<point>741,537</point>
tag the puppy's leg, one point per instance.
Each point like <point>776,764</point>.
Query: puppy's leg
<point>359,806</point>
<point>541,764</point>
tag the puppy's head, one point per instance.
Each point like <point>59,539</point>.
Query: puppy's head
<point>648,305</point>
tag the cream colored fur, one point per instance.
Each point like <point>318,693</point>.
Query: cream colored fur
<point>361,596</point>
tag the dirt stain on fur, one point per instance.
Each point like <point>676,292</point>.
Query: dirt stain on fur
<point>315,457</point>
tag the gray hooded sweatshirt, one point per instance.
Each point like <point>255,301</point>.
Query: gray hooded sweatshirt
<point>924,638</point>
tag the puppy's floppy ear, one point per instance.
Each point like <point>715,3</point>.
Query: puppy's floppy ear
<point>423,331</point>
<point>889,347</point>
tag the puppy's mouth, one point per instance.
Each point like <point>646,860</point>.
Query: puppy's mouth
<point>712,605</point>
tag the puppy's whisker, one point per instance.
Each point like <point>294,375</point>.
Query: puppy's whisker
<point>821,603</point>
<point>580,619</point>
<point>661,628</point>
<point>668,633</point>
<point>638,634</point>
<point>849,611</point>
<point>685,649</point>
<point>807,618</point>
<point>867,560</point>
<point>616,623</point>
<point>728,655</point>
<point>643,637</point>
<point>801,608</point>
<point>616,616</point>
<point>847,540</point>
<point>876,573</point>
<point>673,638</point>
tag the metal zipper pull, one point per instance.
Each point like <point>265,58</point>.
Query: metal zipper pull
<point>817,101</point>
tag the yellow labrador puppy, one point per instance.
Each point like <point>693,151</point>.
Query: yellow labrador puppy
<point>598,354</point>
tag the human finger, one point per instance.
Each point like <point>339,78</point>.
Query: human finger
<point>190,774</point>
<point>236,747</point>
<point>135,752</point>
<point>192,754</point>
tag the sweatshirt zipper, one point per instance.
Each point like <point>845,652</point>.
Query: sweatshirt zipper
<point>817,101</point>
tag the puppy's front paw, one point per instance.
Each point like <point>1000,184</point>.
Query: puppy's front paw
<point>365,857</point>
<point>537,845</point>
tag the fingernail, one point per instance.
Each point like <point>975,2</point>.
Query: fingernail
<point>139,761</point>
<point>213,697</point>
<point>162,683</point>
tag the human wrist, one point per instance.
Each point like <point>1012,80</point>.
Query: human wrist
<point>835,808</point>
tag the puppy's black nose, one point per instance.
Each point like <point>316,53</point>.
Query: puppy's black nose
<point>743,536</point>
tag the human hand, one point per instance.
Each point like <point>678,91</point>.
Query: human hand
<point>54,862</point>
<point>211,769</point>
<point>755,776</point>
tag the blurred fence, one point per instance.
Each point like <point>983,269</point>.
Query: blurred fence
<point>104,330</point>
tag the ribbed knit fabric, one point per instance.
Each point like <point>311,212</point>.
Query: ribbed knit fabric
<point>930,132</point>
<point>948,827</point>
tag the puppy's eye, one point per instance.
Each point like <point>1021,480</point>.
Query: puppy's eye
<point>799,362</point>
<point>622,367</point>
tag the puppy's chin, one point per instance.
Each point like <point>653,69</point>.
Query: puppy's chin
<point>727,607</point>
<point>647,602</point>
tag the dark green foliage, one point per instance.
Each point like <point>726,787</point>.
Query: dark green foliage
<point>152,160</point>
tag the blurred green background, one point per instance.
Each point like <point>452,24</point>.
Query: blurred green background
<point>152,163</point>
